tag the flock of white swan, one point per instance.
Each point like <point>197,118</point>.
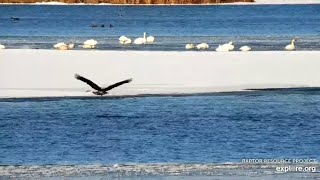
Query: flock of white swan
<point>88,44</point>
<point>91,44</point>
<point>141,40</point>
<point>229,47</point>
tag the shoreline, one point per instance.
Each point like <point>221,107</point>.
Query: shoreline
<point>221,170</point>
<point>50,73</point>
<point>261,2</point>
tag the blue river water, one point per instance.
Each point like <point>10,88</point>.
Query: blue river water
<point>263,27</point>
<point>214,128</point>
<point>156,137</point>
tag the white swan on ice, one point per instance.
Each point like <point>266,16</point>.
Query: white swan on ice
<point>150,39</point>
<point>190,46</point>
<point>2,46</point>
<point>90,44</point>
<point>225,47</point>
<point>63,46</point>
<point>141,40</point>
<point>124,40</point>
<point>291,46</point>
<point>245,48</point>
<point>202,46</point>
<point>144,40</point>
<point>70,46</point>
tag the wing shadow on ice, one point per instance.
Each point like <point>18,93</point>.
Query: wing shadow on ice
<point>245,92</point>
<point>296,89</point>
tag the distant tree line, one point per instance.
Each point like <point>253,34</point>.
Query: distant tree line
<point>130,1</point>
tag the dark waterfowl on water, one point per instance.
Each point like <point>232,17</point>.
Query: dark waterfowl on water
<point>15,19</point>
<point>97,25</point>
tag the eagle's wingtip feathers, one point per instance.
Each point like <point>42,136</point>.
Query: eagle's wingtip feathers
<point>76,75</point>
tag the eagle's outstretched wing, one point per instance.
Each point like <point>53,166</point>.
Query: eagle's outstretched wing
<point>116,84</point>
<point>90,83</point>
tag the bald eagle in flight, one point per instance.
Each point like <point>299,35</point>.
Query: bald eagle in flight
<point>100,90</point>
